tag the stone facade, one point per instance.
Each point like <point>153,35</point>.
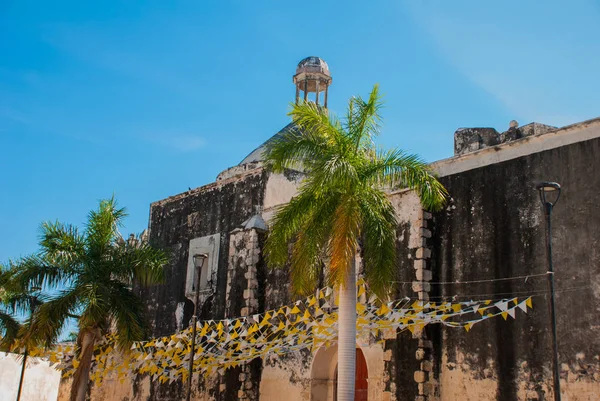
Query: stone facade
<point>492,228</point>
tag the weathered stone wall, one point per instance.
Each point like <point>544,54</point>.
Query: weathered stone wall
<point>406,352</point>
<point>495,228</point>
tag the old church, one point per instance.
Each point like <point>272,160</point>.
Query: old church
<point>490,240</point>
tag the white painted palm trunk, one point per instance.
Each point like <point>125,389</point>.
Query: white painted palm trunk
<point>347,337</point>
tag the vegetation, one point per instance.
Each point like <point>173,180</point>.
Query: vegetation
<point>341,206</point>
<point>9,324</point>
<point>16,300</point>
<point>91,273</point>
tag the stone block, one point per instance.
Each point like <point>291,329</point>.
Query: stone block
<point>245,311</point>
<point>248,294</point>
<point>242,377</point>
<point>387,355</point>
<point>425,233</point>
<point>424,274</point>
<point>222,387</point>
<point>428,388</point>
<point>427,366</point>
<point>418,286</point>
<point>248,385</point>
<point>426,215</point>
<point>423,296</point>
<point>420,354</point>
<point>420,376</point>
<point>241,393</point>
<point>423,253</point>
<point>419,264</point>
<point>425,344</point>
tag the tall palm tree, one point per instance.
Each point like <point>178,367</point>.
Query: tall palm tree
<point>93,273</point>
<point>341,204</point>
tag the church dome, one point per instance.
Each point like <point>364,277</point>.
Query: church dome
<point>313,64</point>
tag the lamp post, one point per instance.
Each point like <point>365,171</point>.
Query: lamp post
<point>548,191</point>
<point>199,260</point>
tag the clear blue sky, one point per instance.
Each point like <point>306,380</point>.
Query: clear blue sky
<point>146,100</point>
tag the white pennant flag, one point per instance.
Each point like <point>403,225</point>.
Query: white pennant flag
<point>523,306</point>
<point>502,305</point>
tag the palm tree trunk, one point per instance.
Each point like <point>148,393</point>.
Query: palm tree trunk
<point>347,337</point>
<point>81,377</point>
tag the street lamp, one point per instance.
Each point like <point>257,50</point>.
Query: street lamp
<point>549,194</point>
<point>198,260</point>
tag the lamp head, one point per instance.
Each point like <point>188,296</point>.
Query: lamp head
<point>548,190</point>
<point>199,259</point>
<point>547,186</point>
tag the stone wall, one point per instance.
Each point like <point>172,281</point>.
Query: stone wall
<point>494,228</point>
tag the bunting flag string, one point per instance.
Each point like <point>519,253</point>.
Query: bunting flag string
<point>309,323</point>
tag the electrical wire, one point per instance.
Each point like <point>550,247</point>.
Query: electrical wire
<point>455,297</point>
<point>475,281</point>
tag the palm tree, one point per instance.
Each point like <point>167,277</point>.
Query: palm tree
<point>93,273</point>
<point>22,301</point>
<point>340,206</point>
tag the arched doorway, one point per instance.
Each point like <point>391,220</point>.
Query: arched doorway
<point>361,384</point>
<point>324,375</point>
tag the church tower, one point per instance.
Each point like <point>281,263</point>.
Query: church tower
<point>312,76</point>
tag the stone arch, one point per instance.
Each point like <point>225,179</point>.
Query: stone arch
<point>324,374</point>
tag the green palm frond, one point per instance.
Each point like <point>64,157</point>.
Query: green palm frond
<point>48,320</point>
<point>397,168</point>
<point>291,148</point>
<point>127,313</point>
<point>35,271</point>
<point>378,239</point>
<point>61,243</point>
<point>364,119</point>
<point>307,250</point>
<point>9,330</point>
<point>286,224</point>
<point>314,120</point>
<point>102,228</point>
<point>141,262</point>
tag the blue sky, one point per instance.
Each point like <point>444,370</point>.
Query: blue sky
<point>144,100</point>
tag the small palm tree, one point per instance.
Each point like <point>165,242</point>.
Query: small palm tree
<point>93,273</point>
<point>340,204</point>
<point>9,324</point>
<point>22,301</point>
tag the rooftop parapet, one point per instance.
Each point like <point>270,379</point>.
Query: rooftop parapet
<point>468,140</point>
